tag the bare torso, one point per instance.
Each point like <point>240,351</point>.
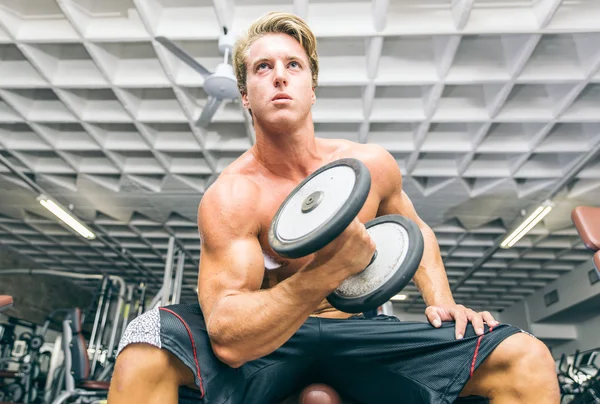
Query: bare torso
<point>273,191</point>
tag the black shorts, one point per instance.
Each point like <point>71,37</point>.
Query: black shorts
<point>367,360</point>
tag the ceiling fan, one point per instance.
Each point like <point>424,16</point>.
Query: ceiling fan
<point>220,85</point>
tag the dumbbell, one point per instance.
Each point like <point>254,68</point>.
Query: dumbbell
<point>321,207</point>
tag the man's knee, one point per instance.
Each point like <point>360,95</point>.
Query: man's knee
<point>518,366</point>
<point>527,365</point>
<point>521,353</point>
<point>150,365</point>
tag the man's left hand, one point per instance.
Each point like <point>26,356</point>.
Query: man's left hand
<point>462,315</point>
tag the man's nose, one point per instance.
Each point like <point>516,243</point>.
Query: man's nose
<point>280,75</point>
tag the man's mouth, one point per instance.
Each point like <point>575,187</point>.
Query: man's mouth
<point>281,97</point>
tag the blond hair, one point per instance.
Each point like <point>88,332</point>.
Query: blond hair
<point>273,23</point>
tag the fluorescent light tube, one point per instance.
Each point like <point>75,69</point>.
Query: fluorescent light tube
<point>527,225</point>
<point>398,298</point>
<point>66,217</point>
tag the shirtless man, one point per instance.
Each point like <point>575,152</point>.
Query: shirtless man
<point>261,334</point>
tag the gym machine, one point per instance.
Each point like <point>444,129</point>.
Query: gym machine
<point>20,383</point>
<point>170,291</point>
<point>74,380</point>
<point>97,332</point>
<point>76,375</point>
<point>81,385</point>
<point>32,364</point>
<point>579,378</point>
<point>6,302</point>
<point>20,388</point>
<point>587,222</point>
<point>82,373</point>
<point>108,326</point>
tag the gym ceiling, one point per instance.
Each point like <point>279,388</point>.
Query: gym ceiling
<point>489,107</point>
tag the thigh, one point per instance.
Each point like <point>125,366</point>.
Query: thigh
<point>283,373</point>
<point>268,379</point>
<point>384,357</point>
<point>181,331</point>
<point>276,382</point>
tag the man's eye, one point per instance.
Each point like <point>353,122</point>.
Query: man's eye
<point>260,66</point>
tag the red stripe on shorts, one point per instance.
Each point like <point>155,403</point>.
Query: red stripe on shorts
<point>476,352</point>
<point>193,346</point>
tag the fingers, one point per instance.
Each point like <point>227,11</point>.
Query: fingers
<point>461,319</point>
<point>357,240</point>
<point>372,245</point>
<point>433,316</point>
<point>489,319</point>
<point>477,320</point>
<point>368,242</point>
<point>462,316</point>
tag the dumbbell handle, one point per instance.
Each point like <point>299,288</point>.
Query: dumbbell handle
<point>373,258</point>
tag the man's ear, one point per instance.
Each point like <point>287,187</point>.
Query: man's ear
<point>245,100</point>
<point>313,96</point>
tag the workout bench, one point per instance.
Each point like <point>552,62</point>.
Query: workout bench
<point>587,221</point>
<point>77,364</point>
<point>6,302</point>
<point>323,394</point>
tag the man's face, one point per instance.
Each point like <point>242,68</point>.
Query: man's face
<point>278,81</point>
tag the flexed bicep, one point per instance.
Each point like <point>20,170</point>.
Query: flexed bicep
<point>231,259</point>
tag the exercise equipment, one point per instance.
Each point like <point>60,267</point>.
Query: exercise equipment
<point>399,252</point>
<point>170,291</point>
<point>30,364</point>
<point>321,207</point>
<point>587,222</point>
<point>7,340</point>
<point>6,302</point>
<point>102,311</point>
<point>76,372</point>
<point>24,382</point>
<point>579,378</point>
<point>319,394</point>
<point>44,377</point>
<point>12,392</point>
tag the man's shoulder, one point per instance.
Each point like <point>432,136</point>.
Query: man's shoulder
<point>231,199</point>
<point>385,171</point>
<point>229,207</point>
<point>231,188</point>
<point>234,180</point>
<point>373,155</point>
<point>349,148</point>
<point>371,151</point>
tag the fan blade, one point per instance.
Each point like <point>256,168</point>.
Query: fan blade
<point>209,111</point>
<point>180,53</point>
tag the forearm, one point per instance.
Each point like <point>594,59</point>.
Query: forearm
<point>249,325</point>
<point>430,278</point>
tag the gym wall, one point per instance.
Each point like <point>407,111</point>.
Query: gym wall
<point>569,324</point>
<point>36,296</point>
<point>588,338</point>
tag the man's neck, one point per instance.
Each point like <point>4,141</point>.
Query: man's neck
<point>291,153</point>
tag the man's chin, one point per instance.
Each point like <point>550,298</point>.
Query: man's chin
<point>282,120</point>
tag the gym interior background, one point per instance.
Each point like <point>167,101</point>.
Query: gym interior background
<point>491,109</point>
